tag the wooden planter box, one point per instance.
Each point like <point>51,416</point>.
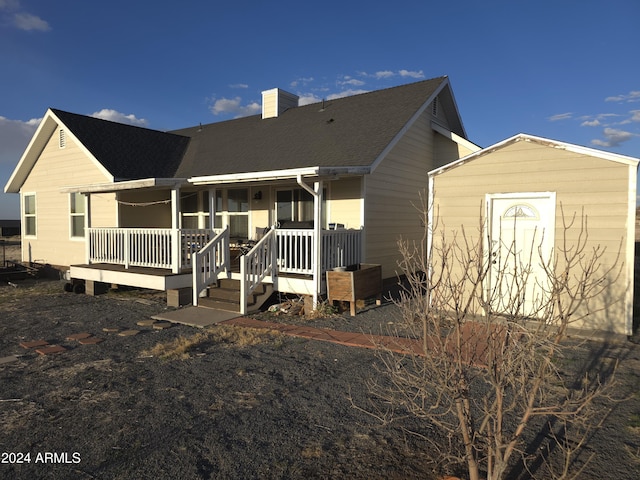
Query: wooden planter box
<point>357,283</point>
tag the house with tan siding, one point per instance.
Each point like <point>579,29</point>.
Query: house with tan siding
<point>276,199</point>
<point>542,197</point>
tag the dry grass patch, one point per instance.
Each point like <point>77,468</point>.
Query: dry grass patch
<point>182,347</point>
<point>178,349</point>
<point>242,336</point>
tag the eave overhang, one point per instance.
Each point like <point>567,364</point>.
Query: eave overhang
<point>145,183</point>
<point>274,175</point>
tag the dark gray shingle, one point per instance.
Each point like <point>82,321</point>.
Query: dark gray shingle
<point>126,151</point>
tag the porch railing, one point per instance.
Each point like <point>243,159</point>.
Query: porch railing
<point>256,265</point>
<point>209,262</point>
<point>338,248</point>
<point>145,247</point>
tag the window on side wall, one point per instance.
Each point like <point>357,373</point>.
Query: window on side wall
<point>29,214</point>
<point>76,214</point>
<point>195,210</point>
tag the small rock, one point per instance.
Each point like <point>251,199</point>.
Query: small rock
<point>161,325</point>
<point>129,333</point>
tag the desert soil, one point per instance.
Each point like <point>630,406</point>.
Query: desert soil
<point>236,404</point>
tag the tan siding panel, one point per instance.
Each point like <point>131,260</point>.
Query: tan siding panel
<point>345,202</point>
<point>57,168</point>
<point>391,189</point>
<point>592,185</point>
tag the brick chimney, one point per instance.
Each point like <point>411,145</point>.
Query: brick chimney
<point>277,101</point>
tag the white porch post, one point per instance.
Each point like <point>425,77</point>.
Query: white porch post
<point>212,208</point>
<point>316,263</point>
<point>87,226</point>
<point>317,251</point>
<point>175,233</point>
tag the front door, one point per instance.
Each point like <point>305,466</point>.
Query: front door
<point>521,239</point>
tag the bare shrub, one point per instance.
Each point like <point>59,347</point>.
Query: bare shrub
<point>494,330</point>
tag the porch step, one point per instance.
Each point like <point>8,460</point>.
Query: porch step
<point>226,296</point>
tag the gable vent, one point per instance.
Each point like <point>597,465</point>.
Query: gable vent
<point>62,139</point>
<point>434,107</point>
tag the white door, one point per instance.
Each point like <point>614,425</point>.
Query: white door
<point>521,239</point>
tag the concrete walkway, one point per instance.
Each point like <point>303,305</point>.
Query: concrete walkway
<point>196,316</point>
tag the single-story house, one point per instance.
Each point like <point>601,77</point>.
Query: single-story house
<point>278,198</point>
<point>528,190</point>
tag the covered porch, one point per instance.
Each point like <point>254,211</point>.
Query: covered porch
<point>166,259</point>
<point>271,228</point>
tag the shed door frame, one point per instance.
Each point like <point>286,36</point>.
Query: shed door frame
<point>545,205</point>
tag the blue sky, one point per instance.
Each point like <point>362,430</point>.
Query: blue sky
<point>563,69</point>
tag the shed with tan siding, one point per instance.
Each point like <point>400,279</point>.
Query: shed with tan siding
<point>551,182</point>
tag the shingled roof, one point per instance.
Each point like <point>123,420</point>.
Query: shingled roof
<point>346,132</point>
<point>127,152</point>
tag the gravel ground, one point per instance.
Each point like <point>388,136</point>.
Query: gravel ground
<point>237,405</point>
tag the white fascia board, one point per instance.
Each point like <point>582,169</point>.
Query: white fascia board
<point>125,185</point>
<point>626,160</point>
<point>455,137</point>
<point>614,157</point>
<point>85,150</point>
<point>254,176</point>
<point>47,127</point>
<point>408,125</point>
<point>271,175</point>
<point>471,156</point>
<point>39,140</point>
<point>629,263</point>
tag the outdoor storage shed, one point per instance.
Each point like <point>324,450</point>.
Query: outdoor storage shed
<point>534,193</point>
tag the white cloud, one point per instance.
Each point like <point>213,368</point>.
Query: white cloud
<point>613,138</point>
<point>635,115</point>
<point>9,4</point>
<point>591,123</point>
<point>14,138</point>
<point>233,106</point>
<point>115,116</point>
<point>21,19</point>
<point>409,73</point>
<point>352,81</point>
<point>561,116</point>
<point>632,96</point>
<point>308,98</point>
<point>28,22</point>
<point>301,81</point>
<point>384,74</point>
<point>239,85</point>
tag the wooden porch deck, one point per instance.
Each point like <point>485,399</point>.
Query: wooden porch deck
<point>143,277</point>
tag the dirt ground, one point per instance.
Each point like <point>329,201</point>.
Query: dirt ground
<point>184,403</point>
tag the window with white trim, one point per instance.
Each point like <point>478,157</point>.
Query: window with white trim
<point>232,209</point>
<point>29,214</point>
<point>76,214</point>
<point>294,208</point>
<point>195,209</point>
